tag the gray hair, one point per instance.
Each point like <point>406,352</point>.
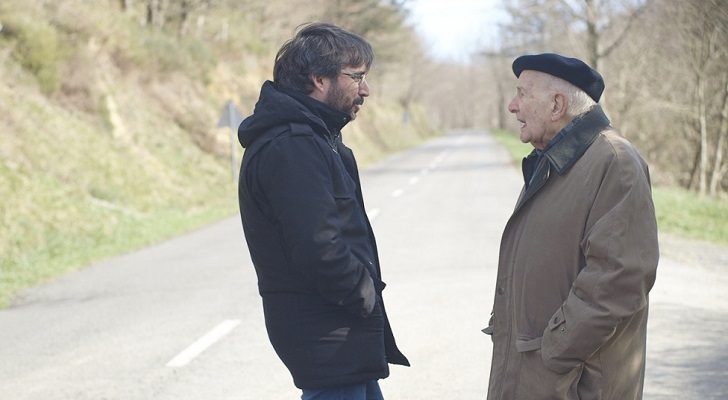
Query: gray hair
<point>319,49</point>
<point>578,101</point>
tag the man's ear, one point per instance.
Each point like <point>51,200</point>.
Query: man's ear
<point>560,105</point>
<point>320,86</point>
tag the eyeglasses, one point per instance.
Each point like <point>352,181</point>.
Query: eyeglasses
<point>358,77</point>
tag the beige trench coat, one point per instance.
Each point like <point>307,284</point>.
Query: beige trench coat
<point>577,260</point>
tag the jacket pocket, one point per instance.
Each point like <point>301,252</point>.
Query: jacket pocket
<point>557,321</point>
<point>554,342</point>
<point>345,206</point>
<point>536,381</point>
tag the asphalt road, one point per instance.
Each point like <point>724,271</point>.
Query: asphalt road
<point>182,320</point>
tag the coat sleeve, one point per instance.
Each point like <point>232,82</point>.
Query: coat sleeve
<point>621,253</point>
<point>296,180</point>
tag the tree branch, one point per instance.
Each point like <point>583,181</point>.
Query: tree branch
<point>571,11</point>
<point>630,21</point>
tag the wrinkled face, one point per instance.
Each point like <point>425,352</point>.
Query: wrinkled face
<point>347,92</point>
<point>532,105</point>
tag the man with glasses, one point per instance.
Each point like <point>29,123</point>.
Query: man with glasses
<point>303,215</point>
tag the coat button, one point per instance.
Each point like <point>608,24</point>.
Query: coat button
<point>563,329</point>
<point>500,290</point>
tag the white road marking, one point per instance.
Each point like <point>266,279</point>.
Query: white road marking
<point>397,193</point>
<point>372,213</point>
<point>196,348</point>
<point>414,180</point>
<point>440,157</point>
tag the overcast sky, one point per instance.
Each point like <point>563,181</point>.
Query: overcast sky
<point>452,29</point>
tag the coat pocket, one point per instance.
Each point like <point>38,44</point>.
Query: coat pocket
<point>557,321</point>
<point>555,340</point>
<point>345,207</point>
<point>536,381</point>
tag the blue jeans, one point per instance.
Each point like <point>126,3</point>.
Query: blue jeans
<point>362,391</point>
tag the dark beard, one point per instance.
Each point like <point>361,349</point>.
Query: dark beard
<point>337,100</point>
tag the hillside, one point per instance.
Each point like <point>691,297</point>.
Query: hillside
<point>108,137</point>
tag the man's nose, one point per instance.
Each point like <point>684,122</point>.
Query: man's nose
<point>363,88</point>
<point>512,106</point>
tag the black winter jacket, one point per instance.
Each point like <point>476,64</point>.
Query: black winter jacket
<point>311,244</point>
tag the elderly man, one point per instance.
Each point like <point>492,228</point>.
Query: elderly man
<point>305,224</point>
<point>579,254</point>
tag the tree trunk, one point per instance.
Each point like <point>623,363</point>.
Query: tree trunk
<point>224,30</point>
<point>162,14</point>
<point>592,40</point>
<point>184,17</point>
<point>155,12</point>
<point>695,167</point>
<point>703,127</point>
<point>151,11</point>
<point>200,25</point>
<point>501,107</point>
<point>718,169</point>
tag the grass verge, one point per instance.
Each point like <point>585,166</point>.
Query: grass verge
<point>64,252</point>
<point>679,211</point>
<point>512,143</point>
<point>690,215</point>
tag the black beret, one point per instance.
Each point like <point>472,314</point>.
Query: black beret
<point>571,70</point>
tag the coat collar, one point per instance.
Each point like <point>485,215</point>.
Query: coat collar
<point>334,119</point>
<point>576,138</point>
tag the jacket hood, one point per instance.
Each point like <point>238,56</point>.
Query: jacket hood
<point>274,108</point>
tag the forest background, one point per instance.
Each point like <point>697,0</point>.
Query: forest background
<point>108,108</point>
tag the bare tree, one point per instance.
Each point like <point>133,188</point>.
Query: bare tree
<point>700,29</point>
<point>156,10</point>
<point>607,23</point>
<point>719,169</point>
<point>186,9</point>
<point>126,5</point>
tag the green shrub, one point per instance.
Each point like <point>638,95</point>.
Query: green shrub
<point>164,54</point>
<point>37,48</point>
